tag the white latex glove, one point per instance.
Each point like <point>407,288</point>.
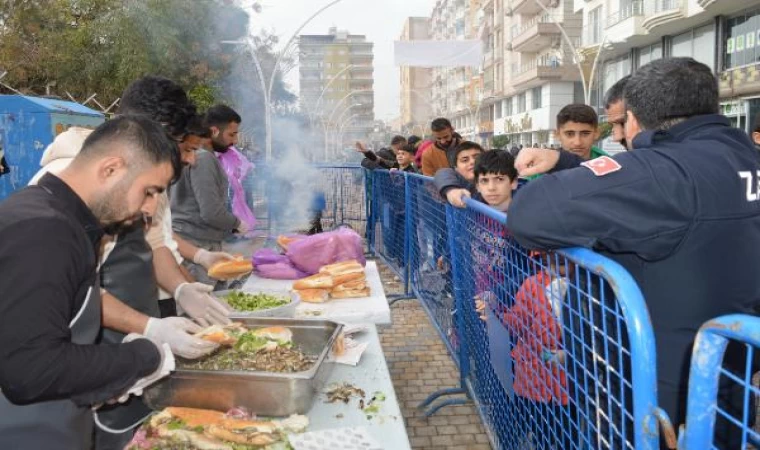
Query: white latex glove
<point>165,367</point>
<point>456,197</point>
<point>196,301</point>
<point>534,161</point>
<point>175,331</point>
<point>208,259</point>
<point>243,228</point>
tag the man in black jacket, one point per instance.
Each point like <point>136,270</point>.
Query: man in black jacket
<point>680,211</point>
<point>51,370</point>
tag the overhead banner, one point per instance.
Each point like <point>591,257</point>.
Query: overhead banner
<point>439,53</point>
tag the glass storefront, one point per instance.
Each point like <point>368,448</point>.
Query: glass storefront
<point>742,40</point>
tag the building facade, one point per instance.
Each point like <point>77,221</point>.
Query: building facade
<point>538,52</point>
<point>724,34</point>
<point>528,70</point>
<point>336,85</point>
<point>416,107</point>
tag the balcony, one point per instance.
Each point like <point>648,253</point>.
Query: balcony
<point>635,9</point>
<point>528,7</point>
<point>541,70</point>
<point>534,35</point>
<point>661,12</point>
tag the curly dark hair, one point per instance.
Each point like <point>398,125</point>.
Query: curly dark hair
<point>162,100</point>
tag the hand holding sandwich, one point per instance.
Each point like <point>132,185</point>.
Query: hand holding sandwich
<point>178,333</point>
<point>207,258</point>
<point>196,301</point>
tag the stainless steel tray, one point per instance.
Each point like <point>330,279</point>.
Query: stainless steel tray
<point>264,393</point>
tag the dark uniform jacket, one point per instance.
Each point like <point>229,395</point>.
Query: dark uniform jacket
<point>682,215</point>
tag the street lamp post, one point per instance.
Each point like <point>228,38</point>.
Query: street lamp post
<point>327,86</point>
<point>339,137</point>
<point>338,119</point>
<point>328,119</point>
<point>276,65</point>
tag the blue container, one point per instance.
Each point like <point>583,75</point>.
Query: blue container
<point>27,126</point>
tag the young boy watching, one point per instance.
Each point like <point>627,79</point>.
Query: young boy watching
<point>578,129</point>
<point>459,180</point>
<point>496,178</point>
<point>405,159</point>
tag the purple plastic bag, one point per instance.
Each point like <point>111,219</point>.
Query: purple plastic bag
<point>311,253</point>
<point>268,256</point>
<point>236,166</point>
<point>280,271</point>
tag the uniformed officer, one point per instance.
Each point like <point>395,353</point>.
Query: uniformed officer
<point>51,370</point>
<point>681,212</point>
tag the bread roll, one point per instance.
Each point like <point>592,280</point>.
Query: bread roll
<point>347,277</point>
<point>353,293</point>
<point>217,334</point>
<point>342,268</point>
<point>230,269</point>
<point>248,432</point>
<point>318,281</point>
<point>281,334</point>
<point>313,295</point>
<point>351,286</point>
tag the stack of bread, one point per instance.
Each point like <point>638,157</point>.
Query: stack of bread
<point>340,280</point>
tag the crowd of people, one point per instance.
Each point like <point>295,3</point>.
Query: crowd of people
<point>679,211</point>
<point>99,262</point>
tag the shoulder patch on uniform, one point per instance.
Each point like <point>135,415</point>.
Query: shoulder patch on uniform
<point>602,165</point>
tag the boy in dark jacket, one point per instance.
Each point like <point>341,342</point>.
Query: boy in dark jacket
<point>459,180</point>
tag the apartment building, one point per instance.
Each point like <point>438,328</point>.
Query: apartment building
<point>336,83</point>
<point>724,34</point>
<point>416,106</point>
<point>528,71</point>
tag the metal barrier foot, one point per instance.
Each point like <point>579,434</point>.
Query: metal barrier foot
<point>435,395</point>
<point>394,298</point>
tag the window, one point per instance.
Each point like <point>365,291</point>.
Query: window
<point>508,107</point>
<point>498,109</point>
<point>615,70</point>
<point>521,103</point>
<point>742,39</point>
<point>650,53</point>
<point>698,43</point>
<point>535,93</point>
<point>594,27</point>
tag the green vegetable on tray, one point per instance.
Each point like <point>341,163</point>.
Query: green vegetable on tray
<point>242,301</point>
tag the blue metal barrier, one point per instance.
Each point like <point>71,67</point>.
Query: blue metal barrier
<point>722,396</point>
<point>430,274</point>
<point>551,346</point>
<point>343,188</point>
<point>388,222</point>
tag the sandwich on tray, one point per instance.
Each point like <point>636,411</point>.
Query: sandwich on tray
<point>231,268</point>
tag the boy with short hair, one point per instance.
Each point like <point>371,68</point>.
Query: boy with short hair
<point>405,159</point>
<point>578,129</point>
<point>496,178</point>
<point>457,181</point>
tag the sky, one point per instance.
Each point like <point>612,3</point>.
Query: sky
<point>381,20</point>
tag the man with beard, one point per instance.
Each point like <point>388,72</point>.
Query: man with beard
<point>614,106</point>
<point>446,141</point>
<point>199,199</point>
<point>51,369</point>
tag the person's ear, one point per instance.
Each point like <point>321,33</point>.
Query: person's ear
<point>110,169</point>
<point>597,133</point>
<point>514,183</point>
<point>215,131</point>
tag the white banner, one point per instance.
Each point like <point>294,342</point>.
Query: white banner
<point>439,53</point>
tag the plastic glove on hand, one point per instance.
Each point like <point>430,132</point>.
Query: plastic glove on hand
<point>196,301</point>
<point>243,228</point>
<point>176,331</point>
<point>207,259</point>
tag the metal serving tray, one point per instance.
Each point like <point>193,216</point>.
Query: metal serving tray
<point>264,393</point>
